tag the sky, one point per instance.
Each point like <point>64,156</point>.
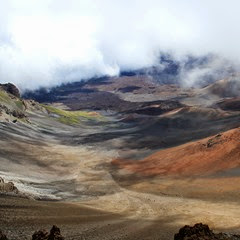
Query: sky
<point>44,43</point>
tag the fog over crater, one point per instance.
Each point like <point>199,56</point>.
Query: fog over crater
<point>49,42</point>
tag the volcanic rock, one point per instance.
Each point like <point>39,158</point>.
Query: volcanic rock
<point>202,232</point>
<point>7,187</point>
<point>11,88</point>
<point>40,235</point>
<point>55,234</point>
<point>3,236</point>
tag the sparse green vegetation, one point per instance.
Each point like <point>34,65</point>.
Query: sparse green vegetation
<point>13,107</point>
<point>4,97</point>
<point>73,117</point>
<point>19,104</point>
<point>12,103</point>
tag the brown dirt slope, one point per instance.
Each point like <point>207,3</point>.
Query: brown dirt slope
<point>204,157</point>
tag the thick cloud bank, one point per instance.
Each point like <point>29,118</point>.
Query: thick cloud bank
<point>48,42</point>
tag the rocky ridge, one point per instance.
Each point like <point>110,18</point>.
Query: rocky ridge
<point>13,108</point>
<point>11,88</point>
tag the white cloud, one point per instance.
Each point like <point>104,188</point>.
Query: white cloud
<point>47,42</point>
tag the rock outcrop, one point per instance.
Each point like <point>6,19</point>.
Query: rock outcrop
<point>55,234</point>
<point>11,88</point>
<point>14,113</point>
<point>202,232</point>
<point>40,235</point>
<point>7,187</point>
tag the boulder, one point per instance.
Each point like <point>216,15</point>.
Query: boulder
<point>202,232</point>
<point>10,187</point>
<point>55,234</point>
<point>7,187</point>
<point>195,232</point>
<point>40,235</point>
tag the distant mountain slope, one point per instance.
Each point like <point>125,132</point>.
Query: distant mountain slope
<point>163,81</point>
<point>204,169</point>
<point>106,94</point>
<point>228,87</point>
<point>207,156</point>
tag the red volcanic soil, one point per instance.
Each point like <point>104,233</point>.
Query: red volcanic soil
<point>199,158</point>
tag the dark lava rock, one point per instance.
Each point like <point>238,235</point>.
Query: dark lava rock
<point>198,230</point>
<point>11,88</point>
<point>202,232</point>
<point>3,236</point>
<point>40,235</point>
<point>55,234</point>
